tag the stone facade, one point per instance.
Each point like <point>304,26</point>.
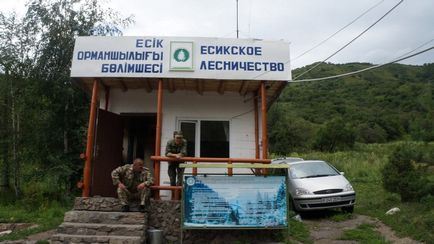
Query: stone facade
<point>108,204</point>
<point>166,216</point>
<point>99,220</point>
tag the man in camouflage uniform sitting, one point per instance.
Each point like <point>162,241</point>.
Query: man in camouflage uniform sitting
<point>132,181</point>
<point>177,148</point>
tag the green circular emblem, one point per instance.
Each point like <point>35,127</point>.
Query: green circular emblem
<point>181,55</point>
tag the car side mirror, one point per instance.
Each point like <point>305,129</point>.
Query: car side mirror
<point>342,173</point>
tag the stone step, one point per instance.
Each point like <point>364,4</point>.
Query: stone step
<point>71,239</point>
<point>106,204</point>
<point>97,204</point>
<point>101,229</point>
<point>105,217</point>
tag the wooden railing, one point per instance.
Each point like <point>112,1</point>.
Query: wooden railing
<point>176,190</point>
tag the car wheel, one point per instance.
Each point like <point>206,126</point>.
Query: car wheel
<point>294,208</point>
<point>349,209</point>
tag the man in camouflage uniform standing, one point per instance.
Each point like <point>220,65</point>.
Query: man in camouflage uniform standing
<point>132,181</point>
<point>177,148</point>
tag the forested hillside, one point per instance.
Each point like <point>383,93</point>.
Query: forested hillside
<point>43,116</point>
<point>390,103</point>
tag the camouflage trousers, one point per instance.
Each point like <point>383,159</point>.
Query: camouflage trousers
<point>125,195</point>
<point>173,170</point>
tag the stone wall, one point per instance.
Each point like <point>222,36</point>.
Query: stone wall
<point>166,216</point>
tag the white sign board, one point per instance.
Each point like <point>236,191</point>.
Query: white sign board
<point>180,57</point>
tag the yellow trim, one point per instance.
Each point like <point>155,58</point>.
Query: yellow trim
<point>238,165</point>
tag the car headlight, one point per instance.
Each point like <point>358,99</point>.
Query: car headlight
<point>348,187</point>
<point>302,191</point>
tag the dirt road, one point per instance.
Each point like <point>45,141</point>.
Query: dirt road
<point>324,230</point>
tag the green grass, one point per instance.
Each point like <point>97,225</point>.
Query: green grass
<point>339,217</point>
<point>416,219</point>
<point>364,233</point>
<point>362,168</point>
<point>46,217</point>
<point>299,232</point>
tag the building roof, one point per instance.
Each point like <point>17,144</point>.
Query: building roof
<point>201,86</point>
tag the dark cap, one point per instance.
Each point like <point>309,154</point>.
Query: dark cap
<point>177,134</point>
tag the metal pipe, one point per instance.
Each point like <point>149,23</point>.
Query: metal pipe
<point>90,140</point>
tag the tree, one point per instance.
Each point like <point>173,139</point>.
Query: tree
<point>422,128</point>
<point>335,135</point>
<point>4,137</point>
<point>47,114</point>
<point>287,132</point>
<point>400,174</point>
<point>371,133</point>
<point>390,124</point>
<point>15,61</point>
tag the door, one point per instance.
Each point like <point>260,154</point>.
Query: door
<point>108,153</point>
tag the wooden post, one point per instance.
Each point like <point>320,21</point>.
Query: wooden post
<point>176,195</point>
<point>90,140</point>
<point>107,98</point>
<point>264,122</point>
<point>255,106</point>
<point>158,136</point>
<point>195,168</point>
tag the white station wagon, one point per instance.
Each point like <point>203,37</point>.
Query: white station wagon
<point>315,184</point>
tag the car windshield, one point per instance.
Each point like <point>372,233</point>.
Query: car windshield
<point>312,170</point>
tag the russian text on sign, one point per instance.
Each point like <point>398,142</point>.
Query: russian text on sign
<point>245,66</point>
<point>231,50</point>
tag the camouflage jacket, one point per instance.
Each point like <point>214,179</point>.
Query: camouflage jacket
<point>172,147</point>
<point>129,178</point>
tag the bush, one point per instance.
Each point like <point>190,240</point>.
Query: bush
<point>288,133</point>
<point>371,133</point>
<point>336,135</point>
<point>401,174</point>
<point>422,128</point>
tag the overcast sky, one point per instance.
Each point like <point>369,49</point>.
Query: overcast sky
<point>303,23</point>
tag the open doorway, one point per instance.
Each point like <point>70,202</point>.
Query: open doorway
<point>139,137</point>
<point>119,140</point>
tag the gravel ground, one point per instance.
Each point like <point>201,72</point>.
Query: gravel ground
<point>324,230</point>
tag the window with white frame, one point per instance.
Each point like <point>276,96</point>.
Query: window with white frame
<point>206,138</point>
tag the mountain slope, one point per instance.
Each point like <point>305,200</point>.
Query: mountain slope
<point>389,103</point>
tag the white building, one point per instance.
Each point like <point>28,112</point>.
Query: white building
<point>217,91</point>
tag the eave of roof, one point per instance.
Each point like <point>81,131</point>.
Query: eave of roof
<point>201,86</point>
